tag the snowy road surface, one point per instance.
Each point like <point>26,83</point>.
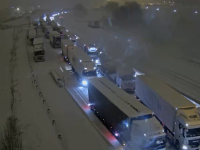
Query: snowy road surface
<point>38,132</point>
<point>78,131</point>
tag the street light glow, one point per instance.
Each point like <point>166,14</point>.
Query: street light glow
<point>17,8</point>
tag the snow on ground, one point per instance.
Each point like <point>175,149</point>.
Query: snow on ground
<point>6,45</point>
<point>37,128</point>
<point>77,130</point>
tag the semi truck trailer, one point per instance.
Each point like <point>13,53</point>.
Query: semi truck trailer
<point>178,115</point>
<point>133,124</point>
<point>55,39</point>
<point>81,64</point>
<point>47,29</point>
<point>39,53</point>
<point>65,45</point>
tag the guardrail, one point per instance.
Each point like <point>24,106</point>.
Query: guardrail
<point>45,104</point>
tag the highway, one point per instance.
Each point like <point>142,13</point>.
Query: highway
<point>81,128</point>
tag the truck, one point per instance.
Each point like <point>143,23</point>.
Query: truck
<point>43,26</point>
<point>48,29</point>
<point>91,49</point>
<point>94,23</point>
<point>60,29</point>
<point>123,77</point>
<point>31,35</point>
<point>177,114</point>
<point>70,36</point>
<point>81,64</point>
<point>39,53</point>
<point>55,39</point>
<point>54,25</point>
<point>132,124</point>
<point>65,45</point>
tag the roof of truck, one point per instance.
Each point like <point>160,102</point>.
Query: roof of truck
<point>125,102</point>
<point>38,41</point>
<point>80,54</point>
<point>125,71</point>
<point>48,26</point>
<point>54,33</point>
<point>66,42</point>
<point>170,95</point>
<point>89,65</point>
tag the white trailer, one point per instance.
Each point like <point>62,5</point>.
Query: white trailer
<point>55,39</point>
<point>178,115</point>
<point>65,45</point>
<point>39,53</point>
<point>47,30</point>
<point>133,124</point>
<point>81,63</point>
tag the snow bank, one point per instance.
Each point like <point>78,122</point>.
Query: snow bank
<point>6,45</point>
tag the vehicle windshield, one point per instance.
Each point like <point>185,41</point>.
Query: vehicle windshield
<point>89,73</point>
<point>39,53</point>
<point>193,132</point>
<point>143,117</point>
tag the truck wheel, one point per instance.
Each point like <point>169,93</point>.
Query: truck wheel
<point>178,145</point>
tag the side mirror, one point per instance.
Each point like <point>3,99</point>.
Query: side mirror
<point>183,132</point>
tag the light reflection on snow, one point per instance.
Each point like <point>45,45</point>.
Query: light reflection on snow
<point>67,68</point>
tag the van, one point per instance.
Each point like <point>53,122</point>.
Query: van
<point>57,79</point>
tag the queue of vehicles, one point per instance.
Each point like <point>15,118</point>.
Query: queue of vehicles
<point>162,109</point>
<point>177,114</point>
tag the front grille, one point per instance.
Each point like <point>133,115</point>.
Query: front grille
<point>194,143</point>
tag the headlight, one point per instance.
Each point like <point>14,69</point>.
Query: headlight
<point>185,147</point>
<point>96,61</point>
<point>84,82</point>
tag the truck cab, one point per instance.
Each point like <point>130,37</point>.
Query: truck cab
<point>87,70</point>
<point>187,129</point>
<point>39,53</point>
<point>55,39</point>
<point>91,49</point>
